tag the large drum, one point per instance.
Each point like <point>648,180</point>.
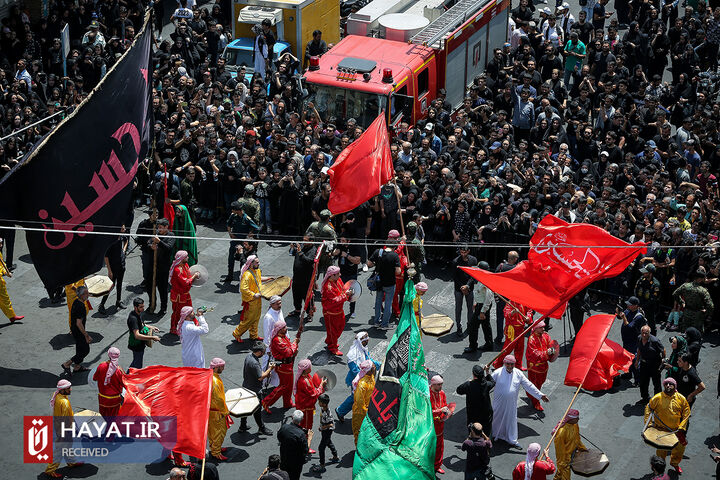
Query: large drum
<point>241,402</point>
<point>436,324</point>
<point>660,439</point>
<point>275,286</point>
<point>99,285</point>
<point>588,463</point>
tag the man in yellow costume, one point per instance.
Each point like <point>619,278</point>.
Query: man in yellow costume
<point>567,440</point>
<point>420,289</point>
<point>250,282</point>
<point>363,386</point>
<point>671,412</point>
<point>60,404</point>
<point>219,421</point>
<point>5,303</point>
<point>71,295</point>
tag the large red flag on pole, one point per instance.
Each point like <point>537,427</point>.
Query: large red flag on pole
<point>181,392</point>
<point>595,360</point>
<point>563,259</point>
<point>361,169</point>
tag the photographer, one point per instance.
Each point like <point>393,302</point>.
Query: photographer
<point>477,446</point>
<point>253,376</point>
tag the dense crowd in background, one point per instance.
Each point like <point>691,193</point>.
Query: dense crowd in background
<point>578,115</point>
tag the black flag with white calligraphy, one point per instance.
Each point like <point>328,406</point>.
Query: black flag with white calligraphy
<point>79,178</point>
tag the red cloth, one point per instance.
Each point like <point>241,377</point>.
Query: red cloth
<point>281,348</point>
<point>552,275</point>
<point>537,357</point>
<point>109,399</point>
<point>541,470</point>
<point>334,326</point>
<point>361,169</point>
<point>400,279</point>
<point>306,395</point>
<point>515,320</point>
<point>180,284</point>
<point>168,208</point>
<point>181,392</point>
<point>333,298</point>
<point>438,400</point>
<point>593,354</point>
<point>537,379</point>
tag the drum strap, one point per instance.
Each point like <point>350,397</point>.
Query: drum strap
<point>654,418</point>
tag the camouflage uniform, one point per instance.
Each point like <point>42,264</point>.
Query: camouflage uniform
<point>249,205</point>
<point>648,291</point>
<point>697,299</point>
<point>415,251</point>
<point>323,231</point>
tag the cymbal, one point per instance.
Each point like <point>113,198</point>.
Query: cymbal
<point>204,276</point>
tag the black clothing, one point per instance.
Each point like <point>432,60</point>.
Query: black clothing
<point>293,449</point>
<point>82,347</point>
<point>134,322</point>
<point>302,272</point>
<point>687,381</point>
<point>276,475</point>
<point>461,278</point>
<point>478,406</point>
<point>385,263</point>
<point>650,361</point>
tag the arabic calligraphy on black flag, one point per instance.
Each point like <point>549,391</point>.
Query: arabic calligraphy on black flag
<point>79,178</point>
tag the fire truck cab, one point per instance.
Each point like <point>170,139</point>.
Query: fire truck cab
<point>363,76</point>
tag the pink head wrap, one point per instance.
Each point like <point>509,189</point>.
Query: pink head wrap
<point>302,365</point>
<point>393,234</point>
<point>332,270</point>
<point>216,362</point>
<point>184,314</point>
<point>436,380</point>
<point>365,367</point>
<point>532,453</point>
<point>113,355</point>
<point>179,257</point>
<point>61,385</point>
<point>421,287</point>
<point>571,414</point>
<point>539,325</point>
<point>509,359</point>
<point>670,380</point>
<point>248,264</point>
<point>279,325</point>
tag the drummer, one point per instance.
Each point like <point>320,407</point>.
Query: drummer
<point>567,440</point>
<point>671,413</point>
<point>254,379</point>
<point>539,352</point>
<point>334,295</point>
<point>349,256</point>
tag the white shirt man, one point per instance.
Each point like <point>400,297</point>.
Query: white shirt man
<point>192,349</point>
<point>508,381</point>
<point>273,315</point>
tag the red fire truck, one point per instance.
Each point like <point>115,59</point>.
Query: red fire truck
<point>363,76</point>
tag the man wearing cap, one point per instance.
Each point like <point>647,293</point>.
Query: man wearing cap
<point>239,226</point>
<point>480,316</point>
<point>463,286</point>
<point>322,230</point>
<point>567,440</point>
<point>565,18</point>
<point>250,282</point>
<point>249,205</point>
<point>696,300</point>
<point>647,290</point>
<point>108,377</point>
<point>539,353</point>
<point>219,419</point>
<point>441,410</point>
<point>60,403</point>
<point>508,381</point>
<point>648,360</point>
<point>283,352</point>
<point>478,406</point>
<point>633,319</point>
<point>334,296</point>
<point>180,283</point>
<point>671,412</point>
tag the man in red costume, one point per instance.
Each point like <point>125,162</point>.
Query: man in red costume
<point>108,377</point>
<point>516,316</point>
<point>442,410</point>
<point>307,391</point>
<point>394,237</point>
<point>539,350</point>
<point>180,283</point>
<point>334,296</point>
<point>283,352</point>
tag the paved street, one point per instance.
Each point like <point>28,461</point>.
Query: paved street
<point>34,348</point>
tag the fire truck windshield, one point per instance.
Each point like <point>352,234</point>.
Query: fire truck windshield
<point>342,103</point>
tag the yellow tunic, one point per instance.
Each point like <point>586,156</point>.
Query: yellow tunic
<point>5,303</point>
<point>250,284</point>
<point>71,295</point>
<point>674,412</point>
<point>62,408</point>
<point>567,441</point>
<point>217,422</point>
<point>361,402</point>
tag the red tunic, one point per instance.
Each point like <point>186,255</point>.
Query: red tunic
<point>515,320</point>
<point>537,357</point>
<point>541,470</point>
<point>306,396</point>
<point>438,400</point>
<point>400,280</point>
<point>333,298</point>
<point>109,398</point>
<point>282,350</point>
<point>180,283</point>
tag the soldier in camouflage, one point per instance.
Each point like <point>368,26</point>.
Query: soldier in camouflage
<point>415,251</point>
<point>647,289</point>
<point>322,230</point>
<point>698,306</point>
<point>249,205</point>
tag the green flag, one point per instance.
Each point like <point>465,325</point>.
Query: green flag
<point>397,437</point>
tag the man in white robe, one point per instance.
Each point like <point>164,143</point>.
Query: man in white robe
<point>508,381</point>
<point>273,315</point>
<point>191,328</point>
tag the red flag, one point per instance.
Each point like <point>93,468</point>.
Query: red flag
<point>564,258</point>
<point>180,392</point>
<point>361,169</point>
<point>595,360</point>
<point>168,209</point>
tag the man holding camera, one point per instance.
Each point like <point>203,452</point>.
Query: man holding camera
<point>477,446</point>
<point>253,379</point>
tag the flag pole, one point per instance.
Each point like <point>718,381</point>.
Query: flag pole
<point>309,295</point>
<point>397,195</point>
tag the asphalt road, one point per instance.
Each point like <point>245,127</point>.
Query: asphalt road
<point>33,349</point>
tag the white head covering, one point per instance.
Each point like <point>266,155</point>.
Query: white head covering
<point>113,355</point>
<point>184,314</point>
<point>365,367</point>
<point>532,453</point>
<point>358,352</point>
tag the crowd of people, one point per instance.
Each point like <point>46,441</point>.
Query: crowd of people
<point>590,116</point>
